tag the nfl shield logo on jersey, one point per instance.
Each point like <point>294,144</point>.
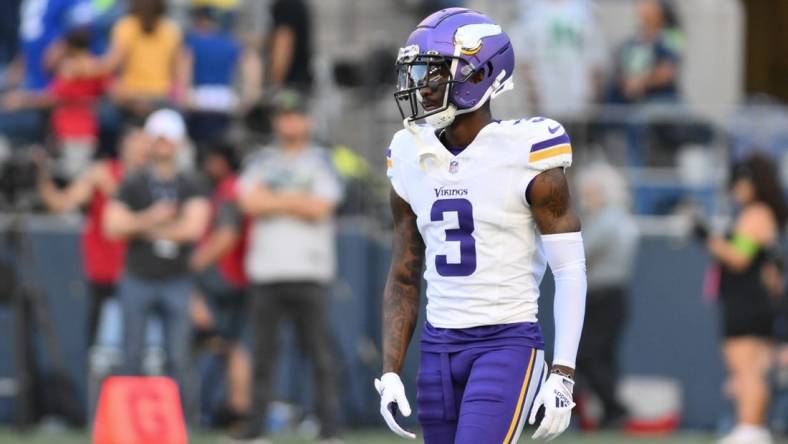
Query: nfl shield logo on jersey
<point>454,166</point>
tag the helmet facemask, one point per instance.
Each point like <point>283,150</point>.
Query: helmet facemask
<point>416,72</point>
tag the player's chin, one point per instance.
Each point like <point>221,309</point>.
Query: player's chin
<point>430,103</point>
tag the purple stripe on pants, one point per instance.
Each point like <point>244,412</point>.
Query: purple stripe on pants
<point>472,382</point>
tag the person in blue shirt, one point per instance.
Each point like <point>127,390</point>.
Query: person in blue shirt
<point>214,57</point>
<point>42,22</point>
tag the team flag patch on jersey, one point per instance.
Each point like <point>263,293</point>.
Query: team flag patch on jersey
<point>550,148</point>
<point>389,163</point>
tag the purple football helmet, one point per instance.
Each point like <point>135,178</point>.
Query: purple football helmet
<point>460,50</point>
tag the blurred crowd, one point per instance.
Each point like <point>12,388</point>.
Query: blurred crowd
<point>74,72</point>
<point>121,111</point>
<point>79,70</point>
<point>566,63</point>
<point>622,100</point>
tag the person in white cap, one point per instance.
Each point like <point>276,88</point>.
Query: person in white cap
<point>161,212</point>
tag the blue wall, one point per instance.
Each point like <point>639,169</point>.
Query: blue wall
<point>671,332</point>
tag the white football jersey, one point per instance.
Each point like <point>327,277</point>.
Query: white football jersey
<point>483,252</point>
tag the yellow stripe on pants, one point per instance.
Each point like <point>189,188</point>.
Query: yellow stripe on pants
<point>523,390</point>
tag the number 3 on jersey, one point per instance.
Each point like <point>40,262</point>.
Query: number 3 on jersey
<point>464,235</point>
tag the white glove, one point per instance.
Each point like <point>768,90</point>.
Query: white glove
<point>392,399</point>
<point>556,397</point>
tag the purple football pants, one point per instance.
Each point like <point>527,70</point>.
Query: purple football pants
<point>479,394</point>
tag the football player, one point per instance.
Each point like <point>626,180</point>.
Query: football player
<point>485,205</point>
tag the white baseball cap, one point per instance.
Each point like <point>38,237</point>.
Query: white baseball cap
<point>167,124</point>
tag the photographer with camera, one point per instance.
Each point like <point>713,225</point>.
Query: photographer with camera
<point>750,284</point>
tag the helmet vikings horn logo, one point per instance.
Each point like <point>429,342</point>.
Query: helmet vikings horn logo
<point>469,37</point>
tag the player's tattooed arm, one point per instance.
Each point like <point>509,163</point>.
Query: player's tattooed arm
<point>401,297</point>
<point>551,204</point>
<point>552,210</point>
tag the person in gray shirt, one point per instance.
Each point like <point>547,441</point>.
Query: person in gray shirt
<point>610,236</point>
<point>290,191</point>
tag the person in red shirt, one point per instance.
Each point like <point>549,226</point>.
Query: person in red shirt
<point>102,258</point>
<point>77,85</point>
<point>218,262</point>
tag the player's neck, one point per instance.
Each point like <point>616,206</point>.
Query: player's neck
<point>466,127</point>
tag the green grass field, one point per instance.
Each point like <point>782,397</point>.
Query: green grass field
<point>363,437</point>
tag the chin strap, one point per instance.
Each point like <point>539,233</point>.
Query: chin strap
<point>442,119</point>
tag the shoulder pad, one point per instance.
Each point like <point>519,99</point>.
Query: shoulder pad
<point>548,143</point>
